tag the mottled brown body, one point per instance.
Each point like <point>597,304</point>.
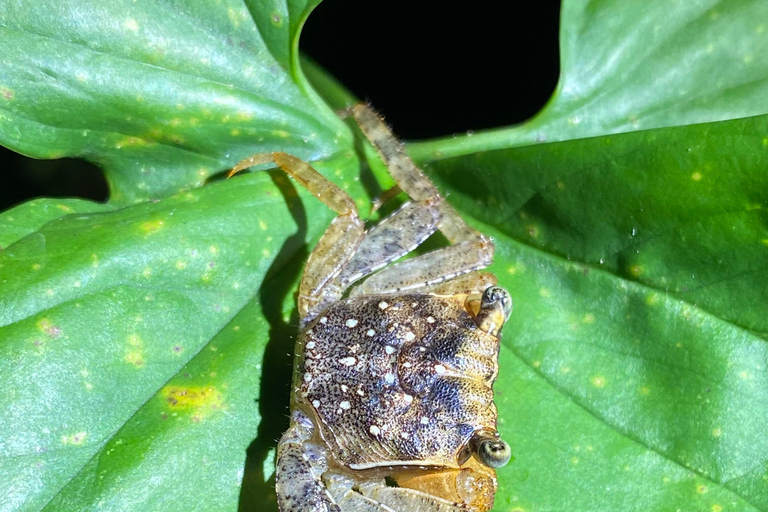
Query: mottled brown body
<point>392,404</point>
<point>398,379</point>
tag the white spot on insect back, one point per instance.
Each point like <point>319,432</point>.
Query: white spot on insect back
<point>389,349</point>
<point>347,361</point>
<point>370,333</point>
<point>389,378</point>
<point>383,305</point>
<point>345,405</point>
<point>431,319</point>
<point>310,344</point>
<point>351,322</point>
<point>316,403</point>
<point>307,377</point>
<point>409,336</point>
<point>344,388</point>
<point>408,398</point>
<point>360,392</point>
<point>424,420</point>
<point>439,368</point>
<point>373,429</point>
<point>323,320</point>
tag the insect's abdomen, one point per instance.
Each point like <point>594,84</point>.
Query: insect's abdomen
<point>381,371</point>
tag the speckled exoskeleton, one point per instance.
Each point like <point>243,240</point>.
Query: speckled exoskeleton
<point>392,402</point>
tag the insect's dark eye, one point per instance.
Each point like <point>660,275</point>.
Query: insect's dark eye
<point>494,453</point>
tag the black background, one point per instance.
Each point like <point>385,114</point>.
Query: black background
<point>431,69</point>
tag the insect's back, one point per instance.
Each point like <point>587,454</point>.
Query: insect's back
<point>398,379</point>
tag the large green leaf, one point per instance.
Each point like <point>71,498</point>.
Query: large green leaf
<point>636,361</point>
<point>145,347</point>
<point>162,95</point>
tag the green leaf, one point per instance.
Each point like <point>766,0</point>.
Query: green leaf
<point>161,95</point>
<point>143,345</point>
<point>131,352</point>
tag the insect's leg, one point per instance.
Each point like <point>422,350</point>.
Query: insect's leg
<point>300,464</point>
<point>338,243</point>
<point>409,178</point>
<point>474,250</point>
<point>468,284</point>
<point>393,237</point>
<point>400,498</point>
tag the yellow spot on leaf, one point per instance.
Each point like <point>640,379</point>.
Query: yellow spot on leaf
<point>147,272</point>
<point>701,489</point>
<point>48,328</point>
<point>244,115</point>
<point>696,176</point>
<point>544,292</point>
<point>65,208</point>
<point>181,265</point>
<point>135,354</point>
<point>598,381</point>
<point>645,390</point>
<point>74,439</point>
<point>135,357</point>
<point>636,270</point>
<point>198,400</point>
<point>281,133</point>
<point>36,266</point>
<point>262,225</point>
<point>151,226</point>
<point>652,299</point>
<point>6,93</point>
<point>130,142</point>
<point>589,318</point>
<point>213,249</point>
<point>717,508</point>
<point>717,432</point>
<point>131,24</point>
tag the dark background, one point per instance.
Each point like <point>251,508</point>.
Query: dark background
<point>432,72</point>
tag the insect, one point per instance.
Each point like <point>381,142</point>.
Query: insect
<point>392,402</point>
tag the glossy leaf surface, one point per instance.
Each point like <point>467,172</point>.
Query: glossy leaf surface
<point>161,95</point>
<point>146,347</point>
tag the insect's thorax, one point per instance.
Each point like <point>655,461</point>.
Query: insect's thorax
<point>400,379</point>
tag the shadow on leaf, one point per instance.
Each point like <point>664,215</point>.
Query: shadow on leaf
<point>258,487</point>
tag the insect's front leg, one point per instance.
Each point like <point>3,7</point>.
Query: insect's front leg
<point>337,245</point>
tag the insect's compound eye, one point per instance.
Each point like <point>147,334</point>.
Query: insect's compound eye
<point>490,450</point>
<point>498,296</point>
<point>495,308</point>
<point>494,454</point>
